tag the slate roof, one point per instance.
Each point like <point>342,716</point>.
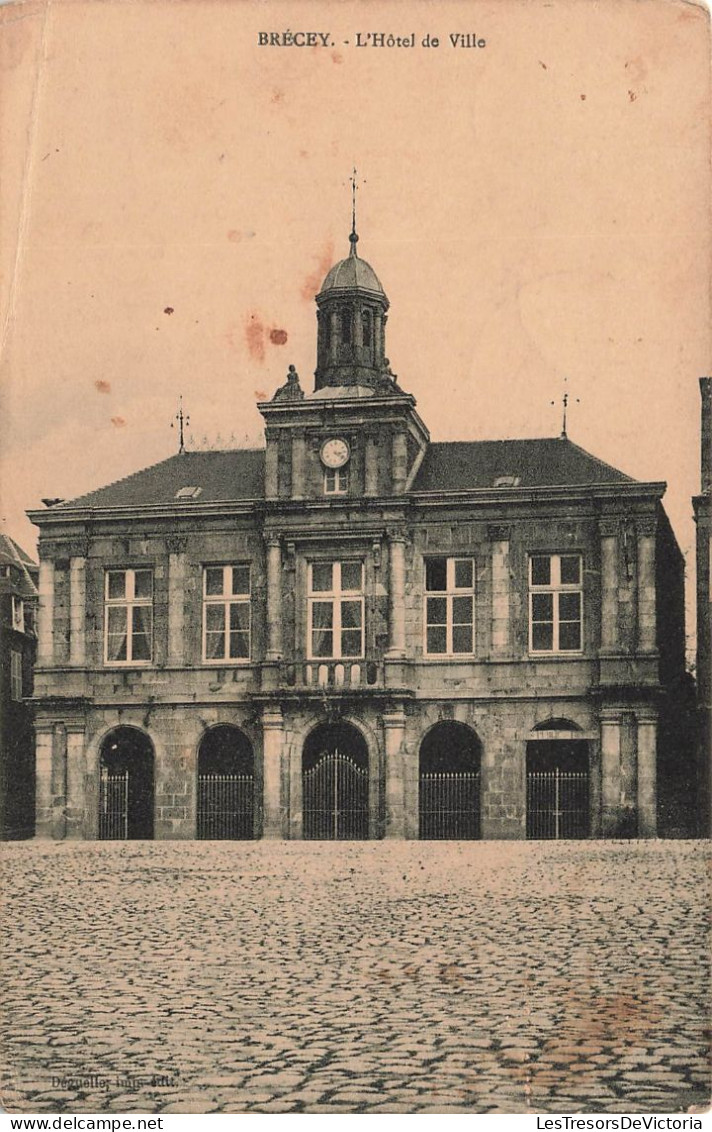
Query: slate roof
<point>463,465</point>
<point>455,466</point>
<point>222,476</point>
<point>27,571</point>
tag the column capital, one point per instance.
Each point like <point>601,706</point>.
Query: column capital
<point>608,715</point>
<point>646,525</point>
<point>499,532</point>
<point>272,719</point>
<point>609,526</point>
<point>394,717</point>
<point>397,534</point>
<point>647,716</point>
<point>272,539</point>
<point>176,544</point>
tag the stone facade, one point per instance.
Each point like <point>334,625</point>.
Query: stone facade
<point>349,476</point>
<point>703,518</point>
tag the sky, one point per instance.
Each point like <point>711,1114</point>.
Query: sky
<point>174,193</point>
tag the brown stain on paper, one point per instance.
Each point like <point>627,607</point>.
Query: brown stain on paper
<point>102,386</point>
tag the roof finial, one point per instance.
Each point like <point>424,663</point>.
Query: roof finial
<point>183,422</point>
<point>565,405</point>
<point>353,238</point>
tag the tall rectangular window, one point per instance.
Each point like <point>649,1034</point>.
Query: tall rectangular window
<point>128,617</point>
<point>336,610</point>
<point>226,613</point>
<point>15,675</point>
<point>449,606</point>
<point>18,614</point>
<point>555,603</point>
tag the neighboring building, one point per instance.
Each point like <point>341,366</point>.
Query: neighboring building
<point>357,632</point>
<point>18,605</point>
<point>703,517</point>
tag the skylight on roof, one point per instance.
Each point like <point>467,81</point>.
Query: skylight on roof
<point>188,492</point>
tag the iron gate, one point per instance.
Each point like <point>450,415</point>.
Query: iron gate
<point>335,799</point>
<point>557,805</point>
<point>225,807</point>
<point>113,805</point>
<point>449,806</point>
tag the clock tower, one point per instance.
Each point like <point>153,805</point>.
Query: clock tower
<point>357,434</point>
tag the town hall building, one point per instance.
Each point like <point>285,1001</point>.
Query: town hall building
<point>357,632</point>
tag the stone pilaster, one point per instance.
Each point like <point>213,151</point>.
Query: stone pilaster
<point>629,774</point>
<point>271,463</point>
<point>45,614</point>
<point>59,781</point>
<point>274,598</point>
<point>394,728</point>
<point>299,464</point>
<point>272,745</point>
<point>77,610</point>
<point>43,789</point>
<point>610,771</point>
<point>647,626</point>
<point>399,467</point>
<point>610,636</point>
<point>333,336</point>
<point>396,595</point>
<point>647,773</point>
<point>500,620</point>
<point>371,461</point>
<point>76,781</point>
<point>176,600</point>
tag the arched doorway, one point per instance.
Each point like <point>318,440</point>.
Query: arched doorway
<point>335,784</point>
<point>126,789</point>
<point>226,786</point>
<point>558,786</point>
<point>449,796</point>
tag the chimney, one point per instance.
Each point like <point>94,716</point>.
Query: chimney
<point>706,461</point>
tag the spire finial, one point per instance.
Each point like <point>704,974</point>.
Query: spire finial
<point>565,405</point>
<point>353,237</point>
<point>183,420</point>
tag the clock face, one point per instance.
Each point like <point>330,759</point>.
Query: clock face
<point>334,452</point>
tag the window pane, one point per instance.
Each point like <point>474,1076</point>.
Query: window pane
<point>215,618</point>
<point>351,614</point>
<point>143,583</point>
<point>569,607</point>
<point>462,611</point>
<point>141,622</point>
<point>570,570</point>
<point>436,640</point>
<point>569,635</point>
<point>322,615</point>
<point>541,570</point>
<point>322,642</point>
<point>116,644</point>
<point>351,574</point>
<point>463,574</point>
<point>462,638</point>
<point>322,573</point>
<point>436,574</point>
<point>329,480</point>
<point>215,646</point>
<point>116,586</point>
<point>351,642</point>
<point>241,579</point>
<point>240,615</point>
<point>542,636</point>
<point>239,645</point>
<point>214,581</point>
<point>543,607</point>
<point>436,610</point>
<point>116,619</point>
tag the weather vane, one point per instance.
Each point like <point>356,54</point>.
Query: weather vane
<point>354,188</point>
<point>565,405</point>
<point>183,420</point>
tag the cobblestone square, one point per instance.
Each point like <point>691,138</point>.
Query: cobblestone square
<point>355,977</point>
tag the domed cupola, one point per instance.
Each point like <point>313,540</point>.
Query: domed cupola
<point>351,315</point>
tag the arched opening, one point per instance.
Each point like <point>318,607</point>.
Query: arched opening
<point>449,796</point>
<point>346,326</point>
<point>226,786</point>
<point>367,328</point>
<point>126,789</point>
<point>335,784</point>
<point>558,785</point>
